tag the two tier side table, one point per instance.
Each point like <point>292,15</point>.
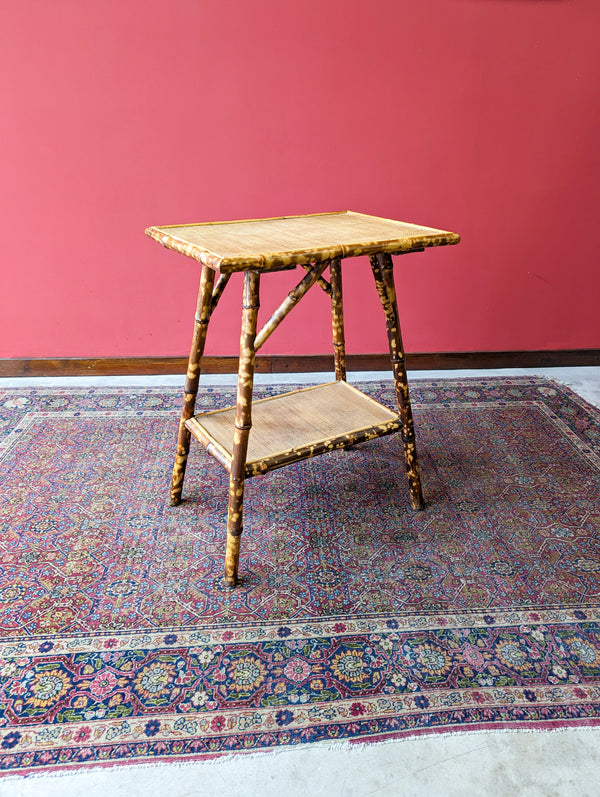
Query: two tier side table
<point>255,437</point>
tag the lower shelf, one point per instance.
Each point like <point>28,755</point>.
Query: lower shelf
<point>298,425</point>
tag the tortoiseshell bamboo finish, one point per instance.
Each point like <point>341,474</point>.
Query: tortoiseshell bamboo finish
<point>384,280</point>
<point>261,246</point>
<point>286,242</point>
<point>298,425</point>
<point>243,424</point>
<point>321,282</point>
<point>204,309</point>
<point>287,458</point>
<point>337,319</point>
<point>218,290</point>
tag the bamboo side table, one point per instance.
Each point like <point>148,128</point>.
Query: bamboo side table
<point>304,423</point>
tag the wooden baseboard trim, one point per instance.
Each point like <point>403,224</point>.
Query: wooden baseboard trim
<point>273,364</point>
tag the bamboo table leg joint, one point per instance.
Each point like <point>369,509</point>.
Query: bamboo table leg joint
<point>255,437</point>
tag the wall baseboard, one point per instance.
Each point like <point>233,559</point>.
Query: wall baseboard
<point>272,364</point>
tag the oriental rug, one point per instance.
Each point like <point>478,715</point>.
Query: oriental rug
<point>357,618</point>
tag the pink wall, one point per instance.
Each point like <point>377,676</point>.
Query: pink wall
<point>479,116</point>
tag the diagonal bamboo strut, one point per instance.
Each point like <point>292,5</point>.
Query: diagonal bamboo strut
<point>321,282</point>
<point>218,291</point>
<point>289,302</point>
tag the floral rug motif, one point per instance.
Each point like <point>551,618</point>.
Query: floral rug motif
<point>356,617</point>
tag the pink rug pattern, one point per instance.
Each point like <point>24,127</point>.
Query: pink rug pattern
<point>356,618</point>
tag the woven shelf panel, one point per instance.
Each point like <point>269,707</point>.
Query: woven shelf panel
<point>297,420</point>
<point>274,243</point>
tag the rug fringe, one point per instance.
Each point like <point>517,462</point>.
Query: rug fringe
<point>346,745</point>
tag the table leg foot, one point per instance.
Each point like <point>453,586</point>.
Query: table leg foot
<point>412,471</point>
<point>179,466</point>
<point>232,557</point>
<point>417,503</point>
<point>234,530</point>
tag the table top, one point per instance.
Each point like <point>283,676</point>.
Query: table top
<point>287,241</point>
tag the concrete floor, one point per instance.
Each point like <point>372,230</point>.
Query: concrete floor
<point>495,764</point>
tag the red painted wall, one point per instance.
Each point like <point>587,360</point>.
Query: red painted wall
<point>479,116</point>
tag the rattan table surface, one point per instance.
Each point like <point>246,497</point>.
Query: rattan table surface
<point>284,242</point>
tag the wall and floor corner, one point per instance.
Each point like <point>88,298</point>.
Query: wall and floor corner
<point>477,117</point>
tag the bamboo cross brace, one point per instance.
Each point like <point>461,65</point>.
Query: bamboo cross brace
<point>218,291</point>
<point>290,301</point>
<point>321,282</point>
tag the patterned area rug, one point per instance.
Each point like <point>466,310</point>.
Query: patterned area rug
<point>356,619</point>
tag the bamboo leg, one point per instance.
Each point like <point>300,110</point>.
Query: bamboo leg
<point>243,424</point>
<point>384,280</point>
<point>337,320</point>
<point>203,310</point>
